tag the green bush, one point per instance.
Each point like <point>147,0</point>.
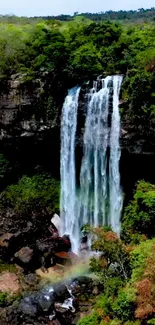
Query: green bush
<point>139,258</point>
<point>124,305</point>
<point>139,214</point>
<point>151,321</point>
<point>114,258</point>
<point>32,194</point>
<point>7,267</point>
<point>104,303</point>
<point>3,298</point>
<point>112,285</point>
<point>90,320</point>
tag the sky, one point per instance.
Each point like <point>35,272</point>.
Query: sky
<point>56,7</point>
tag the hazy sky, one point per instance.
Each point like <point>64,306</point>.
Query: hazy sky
<point>54,7</point>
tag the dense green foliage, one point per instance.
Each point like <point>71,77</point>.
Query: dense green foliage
<point>67,53</point>
<point>32,194</point>
<point>114,260</point>
<point>139,215</point>
<point>126,271</point>
<point>7,267</point>
<point>124,302</point>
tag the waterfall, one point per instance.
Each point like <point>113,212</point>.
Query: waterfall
<point>93,177</point>
<point>115,192</point>
<point>67,164</point>
<point>99,201</point>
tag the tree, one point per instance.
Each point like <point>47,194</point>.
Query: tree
<point>114,257</point>
<point>139,214</point>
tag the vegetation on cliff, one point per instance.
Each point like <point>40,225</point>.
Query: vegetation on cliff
<point>67,53</point>
<point>31,195</point>
<point>129,300</point>
<point>138,219</point>
<point>126,268</point>
<point>63,53</point>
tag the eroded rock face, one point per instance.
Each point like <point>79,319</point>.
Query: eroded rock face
<point>18,109</point>
<point>24,114</point>
<point>30,132</point>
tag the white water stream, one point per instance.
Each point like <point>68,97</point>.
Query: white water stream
<point>100,198</point>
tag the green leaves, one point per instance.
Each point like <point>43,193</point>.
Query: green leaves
<point>90,320</point>
<point>86,60</point>
<point>123,306</point>
<point>114,257</point>
<point>139,214</point>
<point>32,194</point>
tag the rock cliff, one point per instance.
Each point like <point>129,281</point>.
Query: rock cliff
<point>30,129</point>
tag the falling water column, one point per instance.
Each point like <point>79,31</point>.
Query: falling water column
<point>67,166</point>
<point>93,176</point>
<point>115,193</point>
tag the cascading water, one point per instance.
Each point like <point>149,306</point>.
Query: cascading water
<point>115,193</point>
<point>100,198</point>
<point>93,178</point>
<point>68,182</point>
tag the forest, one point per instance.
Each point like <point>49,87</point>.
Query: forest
<point>77,51</point>
<point>67,51</point>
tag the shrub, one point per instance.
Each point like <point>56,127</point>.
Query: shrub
<point>89,320</point>
<point>139,214</point>
<point>124,305</point>
<point>114,258</point>
<point>38,193</point>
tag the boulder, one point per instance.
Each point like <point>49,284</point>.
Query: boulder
<point>9,283</point>
<point>28,306</point>
<point>25,255</point>
<point>46,300</point>
<point>66,242</point>
<point>31,281</point>
<point>56,221</point>
<point>65,258</point>
<point>61,292</point>
<point>81,285</point>
<point>6,239</point>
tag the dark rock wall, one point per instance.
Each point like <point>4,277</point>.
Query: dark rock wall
<point>30,134</point>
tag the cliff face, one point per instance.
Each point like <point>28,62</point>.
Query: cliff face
<point>24,114</point>
<point>19,108</point>
<point>30,134</point>
<point>30,127</point>
<point>136,140</point>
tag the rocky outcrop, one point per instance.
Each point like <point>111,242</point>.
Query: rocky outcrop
<point>28,110</point>
<point>19,109</point>
<point>54,304</point>
<point>29,125</point>
<point>138,141</point>
<point>30,133</point>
